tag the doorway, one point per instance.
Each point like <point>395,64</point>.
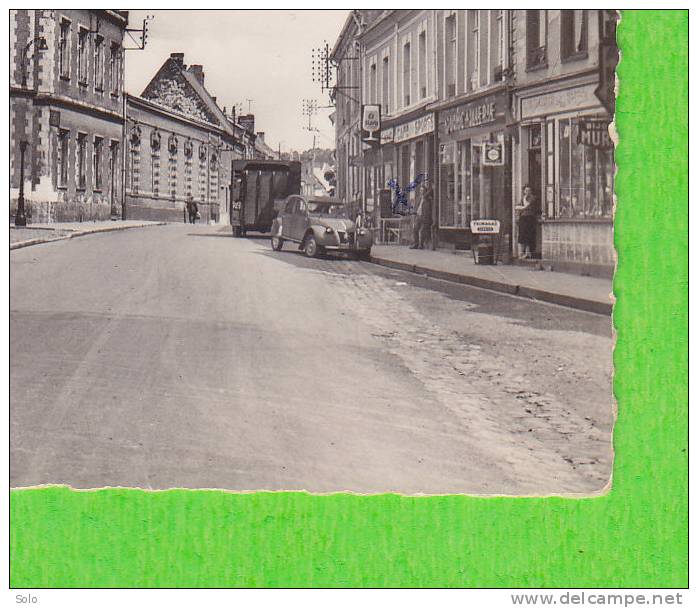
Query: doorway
<point>535,179</point>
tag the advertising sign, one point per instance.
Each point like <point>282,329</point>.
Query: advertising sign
<point>414,128</point>
<point>594,133</point>
<point>484,226</point>
<point>371,124</point>
<point>493,154</point>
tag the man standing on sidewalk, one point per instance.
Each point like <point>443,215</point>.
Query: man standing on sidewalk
<point>423,218</point>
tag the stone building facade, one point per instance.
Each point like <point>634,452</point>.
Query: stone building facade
<point>66,110</point>
<point>485,101</point>
<point>563,150</point>
<point>179,146</point>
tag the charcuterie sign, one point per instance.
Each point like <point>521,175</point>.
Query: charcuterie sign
<point>484,226</point>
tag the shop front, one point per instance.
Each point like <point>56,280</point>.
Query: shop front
<point>565,154</point>
<point>474,169</point>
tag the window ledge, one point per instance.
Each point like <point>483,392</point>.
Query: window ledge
<point>65,77</point>
<point>82,83</point>
<point>99,89</point>
<point>575,57</point>
<point>577,220</point>
<point>537,67</point>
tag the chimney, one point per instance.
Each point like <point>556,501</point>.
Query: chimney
<point>198,72</point>
<point>260,136</point>
<point>178,58</point>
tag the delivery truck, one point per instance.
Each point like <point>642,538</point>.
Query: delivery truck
<point>259,189</point>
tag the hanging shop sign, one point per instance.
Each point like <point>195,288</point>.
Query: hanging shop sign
<point>414,128</point>
<point>594,133</point>
<point>471,115</point>
<point>371,124</point>
<point>493,154</point>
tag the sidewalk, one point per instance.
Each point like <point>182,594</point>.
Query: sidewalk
<point>35,234</point>
<point>576,291</point>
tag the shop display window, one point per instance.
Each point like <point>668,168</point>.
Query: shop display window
<point>460,183</point>
<point>585,187</point>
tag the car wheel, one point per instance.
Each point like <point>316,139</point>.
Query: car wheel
<point>277,243</point>
<point>364,255</point>
<point>311,247</point>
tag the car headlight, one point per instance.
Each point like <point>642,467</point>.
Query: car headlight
<point>329,230</point>
<point>362,232</point>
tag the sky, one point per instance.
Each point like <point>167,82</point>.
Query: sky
<point>260,55</point>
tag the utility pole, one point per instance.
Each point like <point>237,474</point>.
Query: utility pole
<point>249,105</point>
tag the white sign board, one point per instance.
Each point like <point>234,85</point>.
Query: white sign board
<point>484,226</point>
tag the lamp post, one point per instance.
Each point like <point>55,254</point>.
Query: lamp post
<point>20,215</point>
<point>41,46</point>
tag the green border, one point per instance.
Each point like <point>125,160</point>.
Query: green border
<point>634,537</point>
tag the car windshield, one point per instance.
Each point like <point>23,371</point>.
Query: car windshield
<point>327,208</point>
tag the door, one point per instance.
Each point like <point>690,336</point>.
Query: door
<point>535,178</point>
<point>113,155</point>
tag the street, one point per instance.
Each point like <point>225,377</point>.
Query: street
<point>178,356</point>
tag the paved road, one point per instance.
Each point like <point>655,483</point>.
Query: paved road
<point>178,356</point>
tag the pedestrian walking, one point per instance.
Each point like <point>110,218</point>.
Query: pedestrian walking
<point>193,211</point>
<point>423,217</point>
<point>527,223</point>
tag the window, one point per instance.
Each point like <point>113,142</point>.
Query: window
<point>573,34</point>
<point>450,36</point>
<point>474,18</point>
<point>586,174</point>
<point>372,83</point>
<point>64,50</point>
<point>82,152</point>
<point>386,84</point>
<point>62,160</point>
<point>498,63</point>
<point>422,49</point>
<point>97,163</point>
<point>99,63</point>
<point>115,68</point>
<point>82,56</point>
<point>536,38</point>
<point>406,73</point>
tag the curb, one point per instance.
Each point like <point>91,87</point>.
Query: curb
<point>601,308</point>
<point>30,242</point>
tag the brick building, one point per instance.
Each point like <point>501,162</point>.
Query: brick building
<point>179,145</point>
<point>66,111</point>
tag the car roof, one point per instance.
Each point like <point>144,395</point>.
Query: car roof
<point>323,199</point>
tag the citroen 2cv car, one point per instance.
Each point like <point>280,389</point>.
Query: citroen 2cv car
<point>319,225</point>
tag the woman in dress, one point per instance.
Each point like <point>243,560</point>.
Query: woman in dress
<point>527,223</point>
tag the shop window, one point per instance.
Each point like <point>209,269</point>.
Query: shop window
<point>62,160</point>
<point>573,34</point>
<point>586,175</point>
<point>82,158</point>
<point>536,38</point>
<point>97,163</point>
<point>99,63</point>
<point>460,183</point>
<point>82,56</point>
<point>64,50</point>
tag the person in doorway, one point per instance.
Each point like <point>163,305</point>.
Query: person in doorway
<point>423,218</point>
<point>527,223</point>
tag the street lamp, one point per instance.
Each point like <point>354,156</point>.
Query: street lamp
<point>20,215</point>
<point>41,46</point>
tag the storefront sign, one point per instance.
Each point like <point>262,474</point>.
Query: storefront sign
<point>594,133</point>
<point>493,154</point>
<point>387,136</point>
<point>556,102</point>
<point>415,128</point>
<point>468,116</point>
<point>370,124</point>
<point>484,226</point>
